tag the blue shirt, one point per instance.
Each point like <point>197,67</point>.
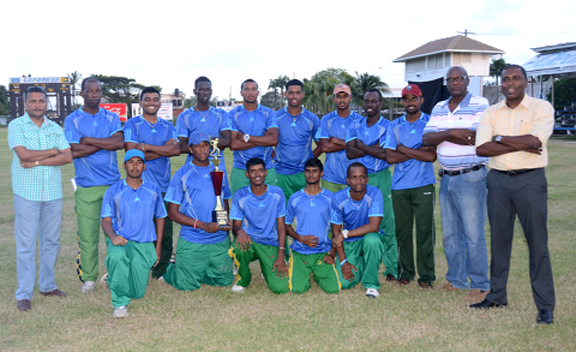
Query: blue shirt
<point>132,210</point>
<point>336,163</point>
<point>254,123</point>
<point>138,130</point>
<point>212,122</point>
<point>259,213</point>
<point>312,214</point>
<point>192,189</point>
<point>100,168</point>
<point>295,140</point>
<point>352,214</point>
<point>369,136</point>
<point>411,173</point>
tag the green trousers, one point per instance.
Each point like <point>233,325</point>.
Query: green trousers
<point>383,180</point>
<point>409,204</point>
<point>266,255</point>
<point>290,184</point>
<point>198,264</point>
<point>366,255</point>
<point>88,208</point>
<point>333,187</point>
<point>128,270</point>
<point>302,265</point>
<point>238,179</point>
<point>167,246</point>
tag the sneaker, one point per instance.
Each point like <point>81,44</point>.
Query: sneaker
<point>446,287</point>
<point>172,259</point>
<point>238,289</point>
<point>161,279</point>
<point>104,279</point>
<point>121,312</point>
<point>372,293</point>
<point>88,286</point>
<point>476,295</point>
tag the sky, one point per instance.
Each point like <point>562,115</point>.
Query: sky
<point>172,43</point>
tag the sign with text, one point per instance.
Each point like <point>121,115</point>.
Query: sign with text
<point>118,108</point>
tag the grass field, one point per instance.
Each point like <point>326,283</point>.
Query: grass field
<point>215,319</point>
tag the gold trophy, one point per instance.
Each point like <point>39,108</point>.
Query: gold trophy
<point>219,214</point>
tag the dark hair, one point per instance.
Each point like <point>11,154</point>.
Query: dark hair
<point>356,164</point>
<point>246,81</point>
<point>516,66</point>
<point>200,80</point>
<point>34,89</point>
<point>374,90</point>
<point>314,162</point>
<point>254,162</point>
<point>149,90</point>
<point>294,82</point>
<point>89,79</point>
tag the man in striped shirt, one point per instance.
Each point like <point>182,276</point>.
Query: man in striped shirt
<point>452,128</point>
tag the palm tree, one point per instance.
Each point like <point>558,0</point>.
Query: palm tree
<point>365,82</point>
<point>496,68</point>
<point>74,78</point>
<point>279,82</point>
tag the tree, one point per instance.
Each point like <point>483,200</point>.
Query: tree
<point>4,104</point>
<point>496,68</point>
<point>365,82</point>
<point>564,93</point>
<point>278,82</point>
<point>270,99</point>
<point>117,89</point>
<point>74,78</point>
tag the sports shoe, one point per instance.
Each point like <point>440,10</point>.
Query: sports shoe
<point>476,295</point>
<point>238,289</point>
<point>372,293</point>
<point>446,287</point>
<point>104,279</point>
<point>121,312</point>
<point>88,286</point>
<point>161,279</point>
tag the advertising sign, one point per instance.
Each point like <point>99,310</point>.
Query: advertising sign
<point>118,108</point>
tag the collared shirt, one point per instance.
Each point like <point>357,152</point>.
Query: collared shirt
<point>132,210</point>
<point>467,115</point>
<point>533,116</point>
<point>336,163</point>
<point>138,130</point>
<point>212,122</point>
<point>352,214</point>
<point>295,140</point>
<point>38,183</point>
<point>369,136</point>
<point>100,168</point>
<point>192,189</point>
<point>411,173</point>
<point>312,214</point>
<point>259,213</point>
<point>253,123</point>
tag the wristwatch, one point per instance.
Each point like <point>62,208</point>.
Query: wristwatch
<point>246,138</point>
<point>345,233</point>
<point>498,139</point>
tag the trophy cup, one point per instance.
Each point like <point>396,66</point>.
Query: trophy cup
<point>219,214</point>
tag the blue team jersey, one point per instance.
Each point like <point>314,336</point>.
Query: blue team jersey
<point>138,130</point>
<point>100,168</point>
<point>254,123</point>
<point>212,122</point>
<point>312,214</point>
<point>132,210</point>
<point>411,173</point>
<point>296,134</point>
<point>336,163</point>
<point>352,214</point>
<point>259,213</point>
<point>369,136</point>
<point>192,189</point>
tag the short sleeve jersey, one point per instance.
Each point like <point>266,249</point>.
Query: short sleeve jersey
<point>296,134</point>
<point>369,136</point>
<point>259,213</point>
<point>312,214</point>
<point>411,173</point>
<point>352,214</point>
<point>138,130</point>
<point>253,123</point>
<point>100,168</point>
<point>132,210</point>
<point>192,189</point>
<point>336,163</point>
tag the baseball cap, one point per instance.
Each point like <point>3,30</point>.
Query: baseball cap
<point>412,89</point>
<point>134,152</point>
<point>198,137</point>
<point>342,88</point>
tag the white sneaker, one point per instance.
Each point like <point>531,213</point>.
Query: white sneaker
<point>103,280</point>
<point>238,289</point>
<point>372,293</point>
<point>121,312</point>
<point>161,279</point>
<point>88,286</point>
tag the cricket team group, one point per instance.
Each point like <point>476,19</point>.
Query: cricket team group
<point>346,216</point>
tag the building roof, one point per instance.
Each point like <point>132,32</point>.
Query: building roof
<point>458,44</point>
<point>555,48</point>
<point>556,59</point>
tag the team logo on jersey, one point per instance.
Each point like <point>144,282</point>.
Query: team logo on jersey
<point>203,120</point>
<point>343,126</point>
<point>293,124</point>
<point>95,123</point>
<point>137,199</point>
<point>412,132</point>
<point>260,205</point>
<point>313,205</point>
<point>251,119</point>
<point>153,131</point>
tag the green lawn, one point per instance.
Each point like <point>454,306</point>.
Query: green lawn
<point>214,319</point>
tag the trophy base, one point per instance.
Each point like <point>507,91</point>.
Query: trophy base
<point>220,217</point>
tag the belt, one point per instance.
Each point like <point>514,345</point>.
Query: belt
<point>515,172</point>
<point>443,172</point>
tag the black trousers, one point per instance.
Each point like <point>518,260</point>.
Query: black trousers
<point>524,195</point>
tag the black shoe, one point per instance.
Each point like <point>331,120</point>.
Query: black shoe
<point>485,304</point>
<point>545,317</point>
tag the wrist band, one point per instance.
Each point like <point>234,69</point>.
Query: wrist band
<point>195,222</point>
<point>37,162</point>
<point>282,248</point>
<point>344,261</point>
